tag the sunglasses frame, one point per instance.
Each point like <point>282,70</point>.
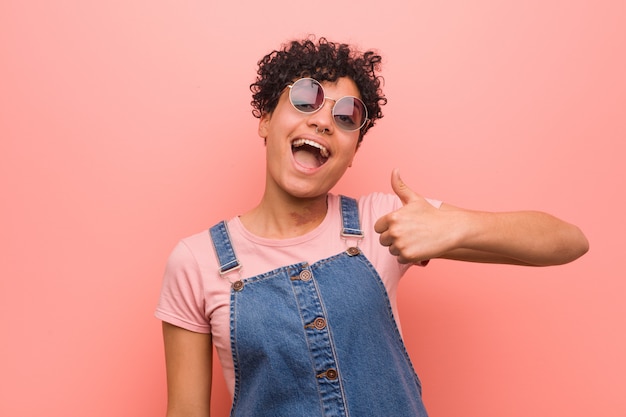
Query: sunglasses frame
<point>313,80</point>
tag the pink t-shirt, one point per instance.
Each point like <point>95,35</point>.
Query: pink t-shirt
<point>195,297</point>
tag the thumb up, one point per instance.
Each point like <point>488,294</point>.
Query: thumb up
<point>410,232</point>
<point>401,189</point>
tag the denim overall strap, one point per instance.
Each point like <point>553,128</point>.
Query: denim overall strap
<point>350,218</point>
<point>224,248</point>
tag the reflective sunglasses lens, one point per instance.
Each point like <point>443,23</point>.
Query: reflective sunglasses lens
<point>350,113</point>
<point>306,95</point>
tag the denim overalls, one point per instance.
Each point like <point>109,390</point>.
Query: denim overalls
<point>317,340</point>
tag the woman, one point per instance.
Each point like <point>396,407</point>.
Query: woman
<point>298,295</point>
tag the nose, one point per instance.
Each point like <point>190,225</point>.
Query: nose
<point>323,118</point>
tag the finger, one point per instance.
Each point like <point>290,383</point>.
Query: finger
<point>385,239</point>
<point>381,225</point>
<point>401,189</point>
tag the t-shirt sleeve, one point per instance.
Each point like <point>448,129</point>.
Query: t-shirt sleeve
<point>181,302</point>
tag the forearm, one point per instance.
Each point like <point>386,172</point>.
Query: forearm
<point>189,361</point>
<point>525,238</point>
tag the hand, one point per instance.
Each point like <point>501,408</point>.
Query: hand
<point>417,231</point>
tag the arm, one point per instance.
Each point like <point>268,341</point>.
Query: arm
<point>418,231</point>
<point>521,238</point>
<point>188,360</point>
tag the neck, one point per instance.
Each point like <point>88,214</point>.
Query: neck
<point>287,217</point>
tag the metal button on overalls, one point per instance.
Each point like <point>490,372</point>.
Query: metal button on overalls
<point>305,275</point>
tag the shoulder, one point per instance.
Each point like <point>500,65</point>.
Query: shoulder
<point>372,201</point>
<point>380,201</point>
<point>375,205</point>
<point>371,206</point>
<point>380,204</point>
<point>193,255</point>
<point>193,246</point>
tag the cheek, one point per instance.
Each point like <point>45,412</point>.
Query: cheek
<point>352,146</point>
<point>348,156</point>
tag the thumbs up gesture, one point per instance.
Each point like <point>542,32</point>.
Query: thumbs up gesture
<point>417,231</point>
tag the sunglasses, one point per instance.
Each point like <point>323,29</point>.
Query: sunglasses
<point>307,96</point>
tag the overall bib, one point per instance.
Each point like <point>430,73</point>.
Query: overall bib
<point>317,340</point>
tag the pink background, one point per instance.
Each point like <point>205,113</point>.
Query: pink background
<point>126,125</point>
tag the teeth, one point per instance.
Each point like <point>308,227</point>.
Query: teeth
<point>323,151</point>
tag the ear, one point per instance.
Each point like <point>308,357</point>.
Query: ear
<point>264,122</point>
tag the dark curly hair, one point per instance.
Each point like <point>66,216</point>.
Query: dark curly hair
<point>323,61</point>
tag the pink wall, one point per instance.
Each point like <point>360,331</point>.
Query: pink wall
<point>125,126</point>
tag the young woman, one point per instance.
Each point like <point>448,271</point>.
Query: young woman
<point>298,295</point>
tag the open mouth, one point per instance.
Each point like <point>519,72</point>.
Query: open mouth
<point>308,153</point>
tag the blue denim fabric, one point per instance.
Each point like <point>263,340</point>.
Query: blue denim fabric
<point>318,340</point>
<point>223,247</point>
<point>350,217</point>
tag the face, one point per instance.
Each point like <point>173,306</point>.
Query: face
<point>307,153</point>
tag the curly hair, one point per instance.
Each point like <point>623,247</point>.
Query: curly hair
<point>323,61</point>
